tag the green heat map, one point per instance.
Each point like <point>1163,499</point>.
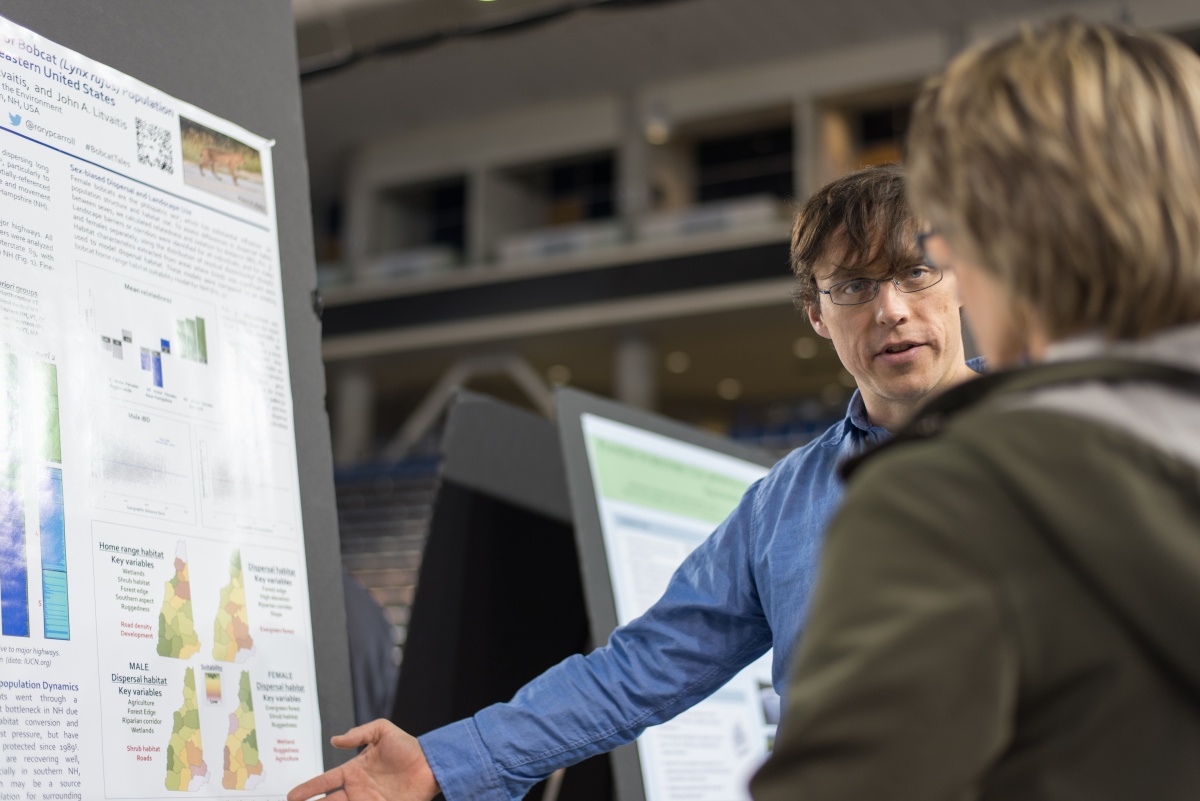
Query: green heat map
<point>231,633</point>
<point>243,768</point>
<point>176,627</point>
<point>186,771</point>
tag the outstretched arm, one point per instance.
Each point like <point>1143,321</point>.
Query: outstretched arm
<point>708,625</point>
<point>392,767</point>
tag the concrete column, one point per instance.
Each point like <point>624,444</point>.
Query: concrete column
<point>806,138</point>
<point>633,163</point>
<point>478,230</point>
<point>636,372</point>
<point>356,226</point>
<point>354,417</point>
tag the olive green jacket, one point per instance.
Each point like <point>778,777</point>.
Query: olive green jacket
<point>1008,608</point>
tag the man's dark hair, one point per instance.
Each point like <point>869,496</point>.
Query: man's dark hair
<point>858,220</point>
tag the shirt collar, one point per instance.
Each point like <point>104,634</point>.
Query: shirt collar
<point>856,413</point>
<point>857,426</point>
<point>856,410</point>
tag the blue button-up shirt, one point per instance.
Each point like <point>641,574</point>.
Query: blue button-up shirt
<point>741,591</point>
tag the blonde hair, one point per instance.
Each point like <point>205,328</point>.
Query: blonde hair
<point>1067,162</point>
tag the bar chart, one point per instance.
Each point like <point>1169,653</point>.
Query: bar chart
<point>193,339</point>
<point>191,344</point>
<point>150,335</point>
<point>152,364</point>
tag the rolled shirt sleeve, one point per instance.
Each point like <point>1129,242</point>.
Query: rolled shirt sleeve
<point>708,625</point>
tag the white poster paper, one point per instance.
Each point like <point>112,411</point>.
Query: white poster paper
<point>155,636</point>
<point>658,499</point>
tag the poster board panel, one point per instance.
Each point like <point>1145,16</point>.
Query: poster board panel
<point>246,73</point>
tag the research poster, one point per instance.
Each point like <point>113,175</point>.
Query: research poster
<point>658,499</point>
<point>155,635</point>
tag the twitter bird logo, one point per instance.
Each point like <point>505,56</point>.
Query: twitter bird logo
<point>14,119</point>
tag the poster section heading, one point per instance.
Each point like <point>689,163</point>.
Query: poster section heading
<point>155,622</point>
<point>59,68</point>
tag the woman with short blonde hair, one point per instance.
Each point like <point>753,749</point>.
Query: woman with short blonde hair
<point>1067,164</point>
<point>1009,600</point>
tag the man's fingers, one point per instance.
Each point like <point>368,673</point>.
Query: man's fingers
<point>326,782</point>
<point>332,781</point>
<point>361,735</point>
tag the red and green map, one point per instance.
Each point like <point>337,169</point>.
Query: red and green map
<point>177,636</point>
<point>231,634</point>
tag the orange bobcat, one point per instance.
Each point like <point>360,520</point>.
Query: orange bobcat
<point>213,158</point>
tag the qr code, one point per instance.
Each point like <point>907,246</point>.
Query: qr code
<point>154,147</point>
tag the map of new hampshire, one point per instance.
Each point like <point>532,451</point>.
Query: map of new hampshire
<point>186,771</point>
<point>243,768</point>
<point>231,635</point>
<point>176,627</point>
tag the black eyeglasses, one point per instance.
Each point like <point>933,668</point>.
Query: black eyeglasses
<point>864,290</point>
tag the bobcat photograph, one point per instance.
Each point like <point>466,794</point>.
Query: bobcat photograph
<point>221,165</point>
<point>212,158</point>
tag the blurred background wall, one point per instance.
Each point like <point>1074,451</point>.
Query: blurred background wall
<point>516,194</point>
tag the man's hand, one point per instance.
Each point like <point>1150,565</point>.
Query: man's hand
<point>391,768</point>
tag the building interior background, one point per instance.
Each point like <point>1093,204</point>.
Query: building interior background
<point>513,195</point>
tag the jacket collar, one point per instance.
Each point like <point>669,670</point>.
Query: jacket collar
<point>934,417</point>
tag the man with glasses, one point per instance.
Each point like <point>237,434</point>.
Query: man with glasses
<point>900,346</point>
<point>894,322</point>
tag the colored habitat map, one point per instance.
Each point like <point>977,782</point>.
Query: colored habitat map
<point>231,634</point>
<point>176,627</point>
<point>243,768</point>
<point>186,771</point>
